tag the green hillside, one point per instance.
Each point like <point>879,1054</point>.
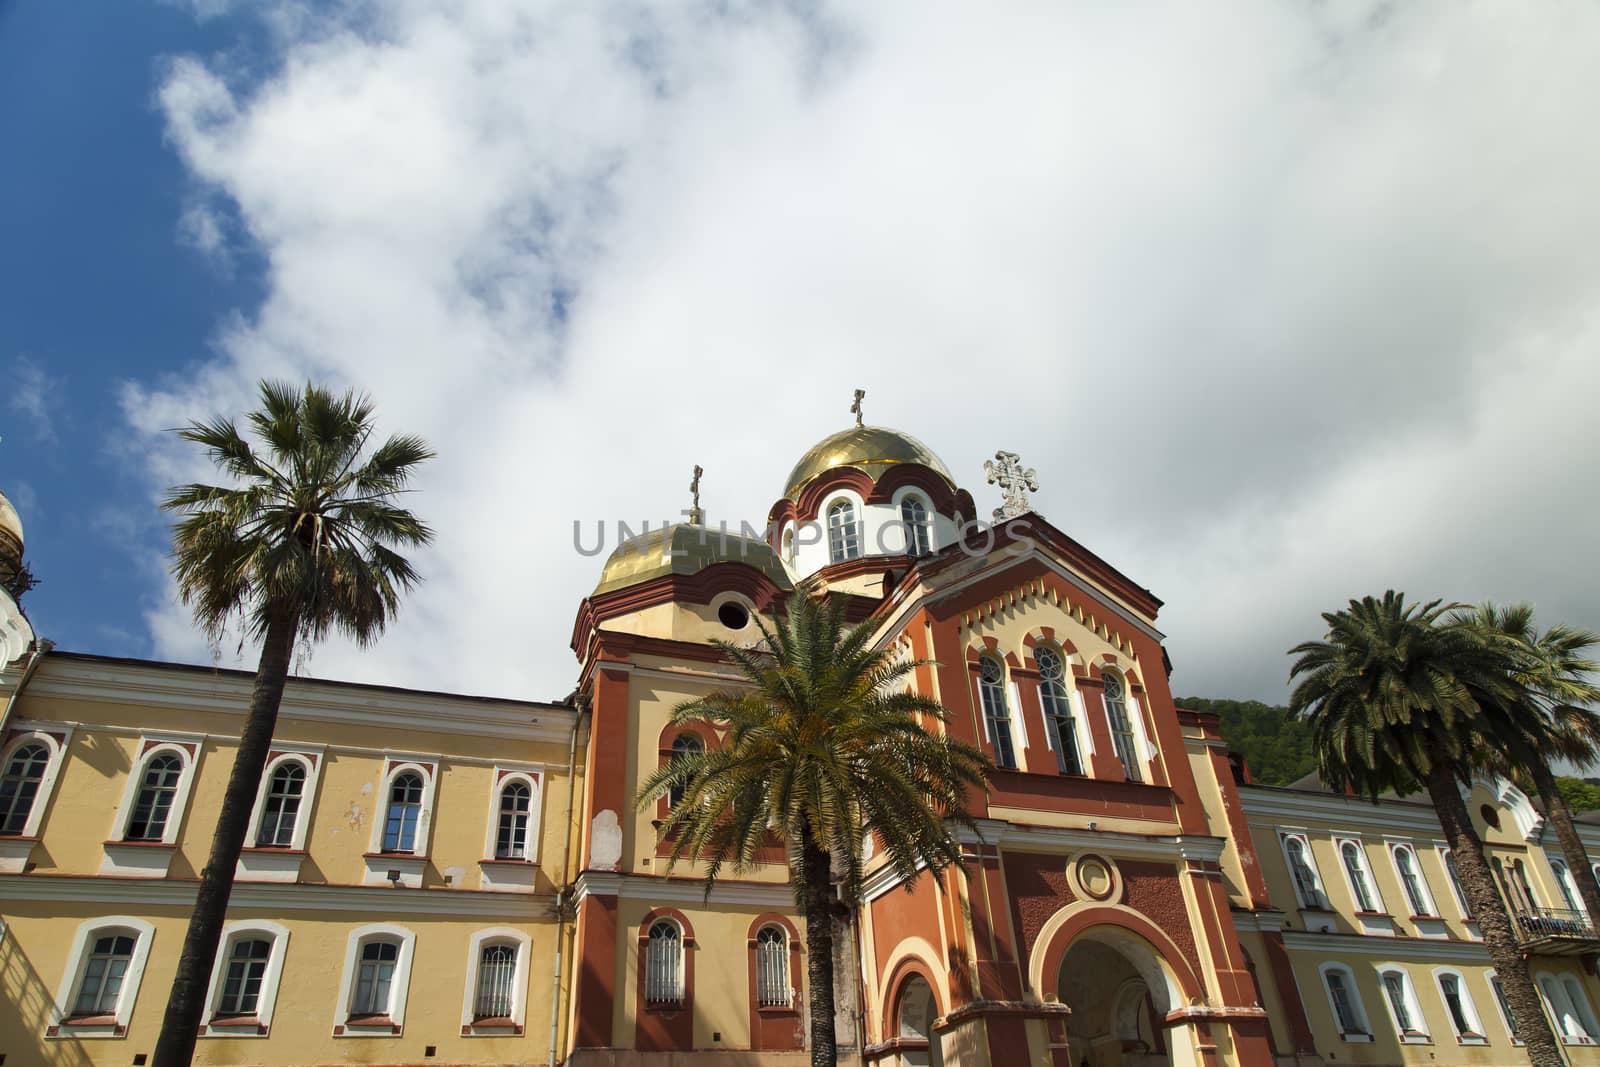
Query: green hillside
<point>1277,746</point>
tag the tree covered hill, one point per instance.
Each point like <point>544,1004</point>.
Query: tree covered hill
<point>1278,746</point>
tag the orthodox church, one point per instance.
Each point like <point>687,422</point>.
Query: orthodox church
<point>448,878</point>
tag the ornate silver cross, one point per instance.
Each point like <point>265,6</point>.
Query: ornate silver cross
<point>855,408</point>
<point>1015,481</point>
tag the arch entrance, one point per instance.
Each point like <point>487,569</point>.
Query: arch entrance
<point>916,1010</point>
<point>1120,994</point>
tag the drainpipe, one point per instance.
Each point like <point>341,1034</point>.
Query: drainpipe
<point>41,647</point>
<point>565,890</point>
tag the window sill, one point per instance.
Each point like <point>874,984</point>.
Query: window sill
<point>87,1027</point>
<point>137,859</point>
<point>1471,1039</point>
<point>233,1026</point>
<point>407,866</point>
<point>1415,1039</point>
<point>666,1006</point>
<point>14,852</point>
<point>511,862</point>
<point>260,864</point>
<point>777,1009</point>
<point>507,876</point>
<point>1357,1039</point>
<point>496,1027</point>
<point>367,1026</point>
<point>1576,1041</point>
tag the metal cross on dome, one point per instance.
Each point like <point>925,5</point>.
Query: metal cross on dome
<point>1015,482</point>
<point>855,408</point>
<point>696,516</point>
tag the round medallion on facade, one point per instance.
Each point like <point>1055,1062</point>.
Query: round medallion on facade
<point>1095,878</point>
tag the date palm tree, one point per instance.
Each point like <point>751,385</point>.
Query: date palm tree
<point>303,540</point>
<point>824,746</point>
<point>1401,696</point>
<point>1552,689</point>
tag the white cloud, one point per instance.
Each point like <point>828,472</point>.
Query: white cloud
<point>1284,307</point>
<point>32,395</point>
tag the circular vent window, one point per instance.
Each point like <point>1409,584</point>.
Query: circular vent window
<point>733,615</point>
<point>1490,816</point>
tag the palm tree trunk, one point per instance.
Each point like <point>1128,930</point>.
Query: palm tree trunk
<point>818,905</point>
<point>1489,911</point>
<point>186,1004</point>
<point>1559,812</point>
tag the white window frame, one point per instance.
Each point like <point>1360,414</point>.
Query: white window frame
<point>83,940</point>
<point>1320,904</point>
<point>429,770</point>
<point>482,939</point>
<point>1356,1005</point>
<point>900,499</point>
<point>1566,888</point>
<point>399,984</point>
<point>681,979</point>
<point>1138,736</point>
<point>1476,1034</point>
<point>857,519</point>
<point>310,761</point>
<point>1417,1035</point>
<point>1373,890</point>
<point>503,776</point>
<point>1395,848</point>
<point>787,992</point>
<point>232,934</point>
<point>1009,705</point>
<point>163,743</point>
<point>1490,979</point>
<point>35,733</point>
<point>1074,708</point>
<point>1456,889</point>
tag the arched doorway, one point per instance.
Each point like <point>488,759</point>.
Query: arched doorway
<point>915,1010</point>
<point>1120,995</point>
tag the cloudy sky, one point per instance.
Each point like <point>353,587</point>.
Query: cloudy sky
<point>1286,303</point>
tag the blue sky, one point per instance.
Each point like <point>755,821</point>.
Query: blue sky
<point>1284,308</point>
<point>96,288</point>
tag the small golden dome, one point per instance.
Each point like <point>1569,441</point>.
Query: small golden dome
<point>690,550</point>
<point>873,449</point>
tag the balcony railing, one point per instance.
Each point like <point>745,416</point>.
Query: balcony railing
<point>1556,931</point>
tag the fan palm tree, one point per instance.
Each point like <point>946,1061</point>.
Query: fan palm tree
<point>823,747</point>
<point>1399,696</point>
<point>303,541</point>
<point>1552,688</point>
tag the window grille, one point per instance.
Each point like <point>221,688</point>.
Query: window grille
<point>772,968</point>
<point>1058,710</point>
<point>157,791</point>
<point>278,816</point>
<point>511,840</point>
<point>20,785</point>
<point>497,975</point>
<point>683,745</point>
<point>247,968</point>
<point>664,965</point>
<point>405,811</point>
<point>991,686</point>
<point>101,985</point>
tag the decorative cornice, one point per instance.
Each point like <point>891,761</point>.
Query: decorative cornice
<point>1431,950</point>
<point>1112,842</point>
<point>72,676</point>
<point>279,896</point>
<point>776,896</point>
<point>1271,804</point>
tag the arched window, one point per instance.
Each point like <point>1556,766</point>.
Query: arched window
<point>1570,1008</point>
<point>772,967</point>
<point>914,515</point>
<point>683,745</point>
<point>844,533</point>
<point>20,786</point>
<point>664,964</point>
<point>284,791</point>
<point>1403,1005</point>
<point>375,978</point>
<point>788,545</point>
<point>1058,721</point>
<point>996,713</point>
<point>247,969</point>
<point>1355,865</point>
<point>1569,891</point>
<point>1121,726</point>
<point>157,789</point>
<point>1506,1014</point>
<point>511,837</point>
<point>1458,1003</point>
<point>405,812</point>
<point>497,977</point>
<point>1305,878</point>
<point>1454,874</point>
<point>100,988</point>
<point>1405,863</point>
<point>1347,1009</point>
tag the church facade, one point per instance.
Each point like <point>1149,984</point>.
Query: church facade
<point>437,877</point>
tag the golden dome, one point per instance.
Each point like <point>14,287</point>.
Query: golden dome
<point>872,449</point>
<point>691,550</point>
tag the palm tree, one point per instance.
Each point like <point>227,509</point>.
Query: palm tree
<point>303,541</point>
<point>825,746</point>
<point>1399,696</point>
<point>1552,685</point>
